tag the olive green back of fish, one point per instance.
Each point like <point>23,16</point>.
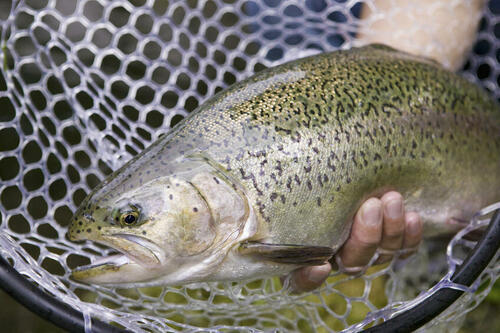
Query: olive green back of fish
<point>311,139</point>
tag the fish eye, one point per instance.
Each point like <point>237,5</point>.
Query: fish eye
<point>129,218</point>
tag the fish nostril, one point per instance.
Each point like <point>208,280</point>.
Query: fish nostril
<point>88,217</point>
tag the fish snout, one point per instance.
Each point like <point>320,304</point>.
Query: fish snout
<point>82,225</point>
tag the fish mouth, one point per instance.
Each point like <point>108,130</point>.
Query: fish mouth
<point>140,249</point>
<point>115,260</point>
<point>140,259</point>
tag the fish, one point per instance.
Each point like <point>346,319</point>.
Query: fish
<point>266,176</point>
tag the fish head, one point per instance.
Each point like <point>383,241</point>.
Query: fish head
<point>167,231</point>
<point>156,227</point>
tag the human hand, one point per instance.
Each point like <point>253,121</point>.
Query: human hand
<point>379,224</point>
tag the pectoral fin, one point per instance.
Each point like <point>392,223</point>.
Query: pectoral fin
<point>287,253</point>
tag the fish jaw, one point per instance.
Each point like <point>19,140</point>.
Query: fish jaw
<point>142,260</point>
<point>139,249</point>
<point>114,270</point>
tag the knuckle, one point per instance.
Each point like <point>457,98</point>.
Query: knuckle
<point>394,233</point>
<point>365,241</point>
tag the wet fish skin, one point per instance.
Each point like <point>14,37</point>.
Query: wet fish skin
<point>305,143</point>
<point>366,121</point>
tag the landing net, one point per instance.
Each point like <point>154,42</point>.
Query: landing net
<point>86,85</point>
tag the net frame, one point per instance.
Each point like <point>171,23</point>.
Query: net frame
<point>32,265</point>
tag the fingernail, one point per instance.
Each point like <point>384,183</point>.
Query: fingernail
<point>372,214</point>
<point>413,225</point>
<point>318,274</point>
<point>394,209</point>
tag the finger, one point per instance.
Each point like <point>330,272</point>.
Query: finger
<point>393,230</point>
<point>308,278</point>
<point>366,234</point>
<point>413,232</point>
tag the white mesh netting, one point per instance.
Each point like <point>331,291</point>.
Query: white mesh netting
<point>85,85</point>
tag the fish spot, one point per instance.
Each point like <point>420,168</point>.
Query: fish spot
<point>144,232</point>
<point>195,209</point>
<point>80,223</point>
<point>283,199</point>
<point>99,228</point>
<point>171,197</point>
<point>89,230</point>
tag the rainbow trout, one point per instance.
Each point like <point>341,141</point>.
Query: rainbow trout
<point>267,175</point>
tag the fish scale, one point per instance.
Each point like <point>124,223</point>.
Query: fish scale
<point>363,122</point>
<point>305,143</point>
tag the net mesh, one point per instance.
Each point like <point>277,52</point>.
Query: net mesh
<point>86,85</point>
